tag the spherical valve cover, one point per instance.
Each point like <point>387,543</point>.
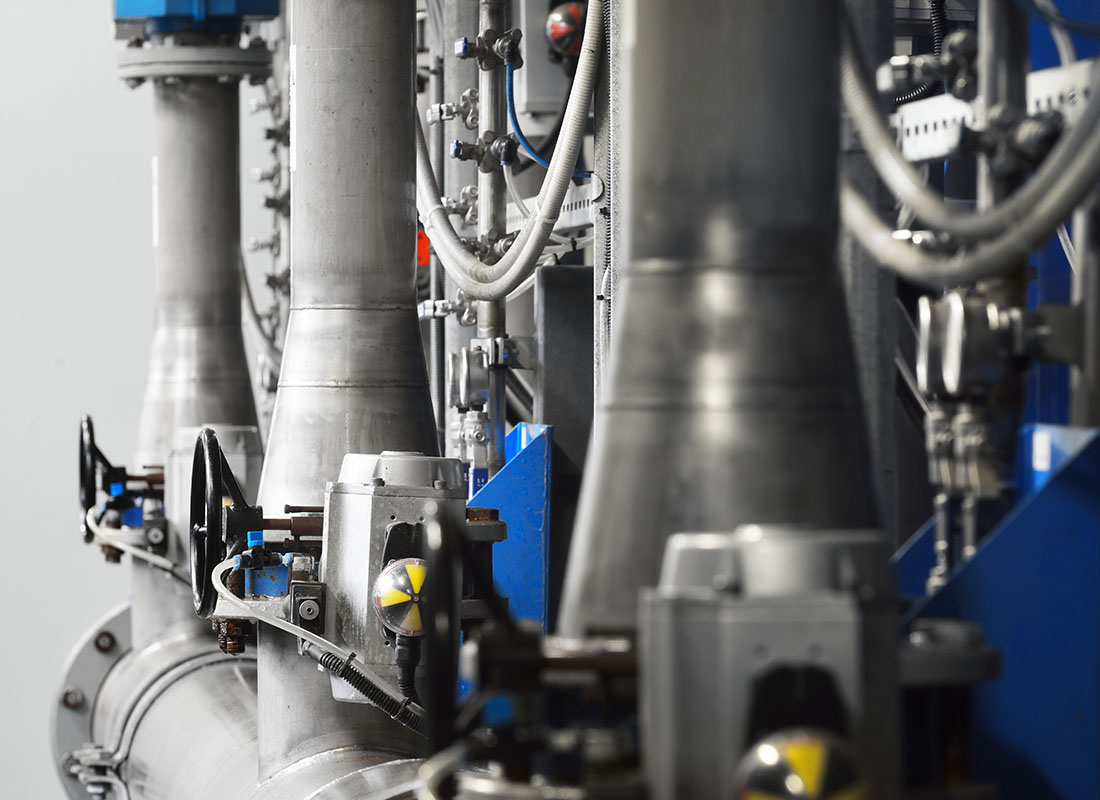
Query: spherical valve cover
<point>808,764</point>
<point>565,28</point>
<point>397,596</point>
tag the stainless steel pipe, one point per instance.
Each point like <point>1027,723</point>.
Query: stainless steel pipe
<point>353,376</point>
<point>198,371</point>
<point>175,709</point>
<point>732,395</point>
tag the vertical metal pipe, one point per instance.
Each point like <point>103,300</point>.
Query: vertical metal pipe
<point>460,18</point>
<point>733,395</point>
<point>492,220</point>
<point>1002,78</point>
<point>1003,30</point>
<point>353,376</point>
<point>198,371</point>
<point>195,703</point>
<point>1085,406</point>
<point>438,337</point>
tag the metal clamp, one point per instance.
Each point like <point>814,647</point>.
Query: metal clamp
<point>516,352</point>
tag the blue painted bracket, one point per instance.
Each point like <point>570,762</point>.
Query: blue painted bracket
<point>1034,586</point>
<point>521,492</point>
<point>914,560</point>
<point>1043,450</point>
<point>267,582</point>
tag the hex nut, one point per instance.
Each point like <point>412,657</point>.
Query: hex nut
<point>72,698</point>
<point>105,641</point>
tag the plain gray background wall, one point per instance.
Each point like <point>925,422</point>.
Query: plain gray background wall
<point>75,255</point>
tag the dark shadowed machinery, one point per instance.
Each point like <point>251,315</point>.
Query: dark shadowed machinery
<point>658,399</point>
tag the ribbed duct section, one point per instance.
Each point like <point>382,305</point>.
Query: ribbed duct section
<point>733,395</point>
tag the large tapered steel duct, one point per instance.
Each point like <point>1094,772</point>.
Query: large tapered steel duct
<point>733,395</point>
<point>353,373</point>
<point>198,371</point>
<point>174,716</point>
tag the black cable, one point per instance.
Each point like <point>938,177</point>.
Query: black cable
<point>407,651</point>
<point>938,18</point>
<point>1083,27</point>
<point>345,670</point>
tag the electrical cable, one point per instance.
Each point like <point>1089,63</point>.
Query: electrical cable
<point>545,147</point>
<point>510,93</point>
<point>1063,41</point>
<point>1067,247</point>
<point>1053,17</point>
<point>937,15</point>
<point>160,562</point>
<point>1071,168</point>
<point>488,282</point>
<point>330,655</point>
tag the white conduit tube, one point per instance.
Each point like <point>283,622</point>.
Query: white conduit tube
<point>1064,171</point>
<point>488,282</point>
<point>113,540</point>
<point>984,261</point>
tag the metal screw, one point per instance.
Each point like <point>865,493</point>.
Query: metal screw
<point>155,536</point>
<point>105,641</point>
<point>462,48</point>
<point>309,610</point>
<point>72,698</point>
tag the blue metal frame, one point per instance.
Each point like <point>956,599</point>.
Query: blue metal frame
<point>1059,444</point>
<point>1034,586</point>
<point>1048,384</point>
<point>521,492</point>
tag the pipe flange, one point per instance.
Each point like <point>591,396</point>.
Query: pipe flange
<point>140,63</point>
<point>98,651</point>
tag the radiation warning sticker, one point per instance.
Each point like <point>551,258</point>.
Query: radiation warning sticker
<point>397,594</point>
<point>802,766</point>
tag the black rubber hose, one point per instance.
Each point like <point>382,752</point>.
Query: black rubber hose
<point>938,14</point>
<point>344,670</point>
<point>406,682</point>
<point>407,650</point>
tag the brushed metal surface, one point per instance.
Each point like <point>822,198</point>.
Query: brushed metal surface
<point>732,395</point>
<point>354,377</point>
